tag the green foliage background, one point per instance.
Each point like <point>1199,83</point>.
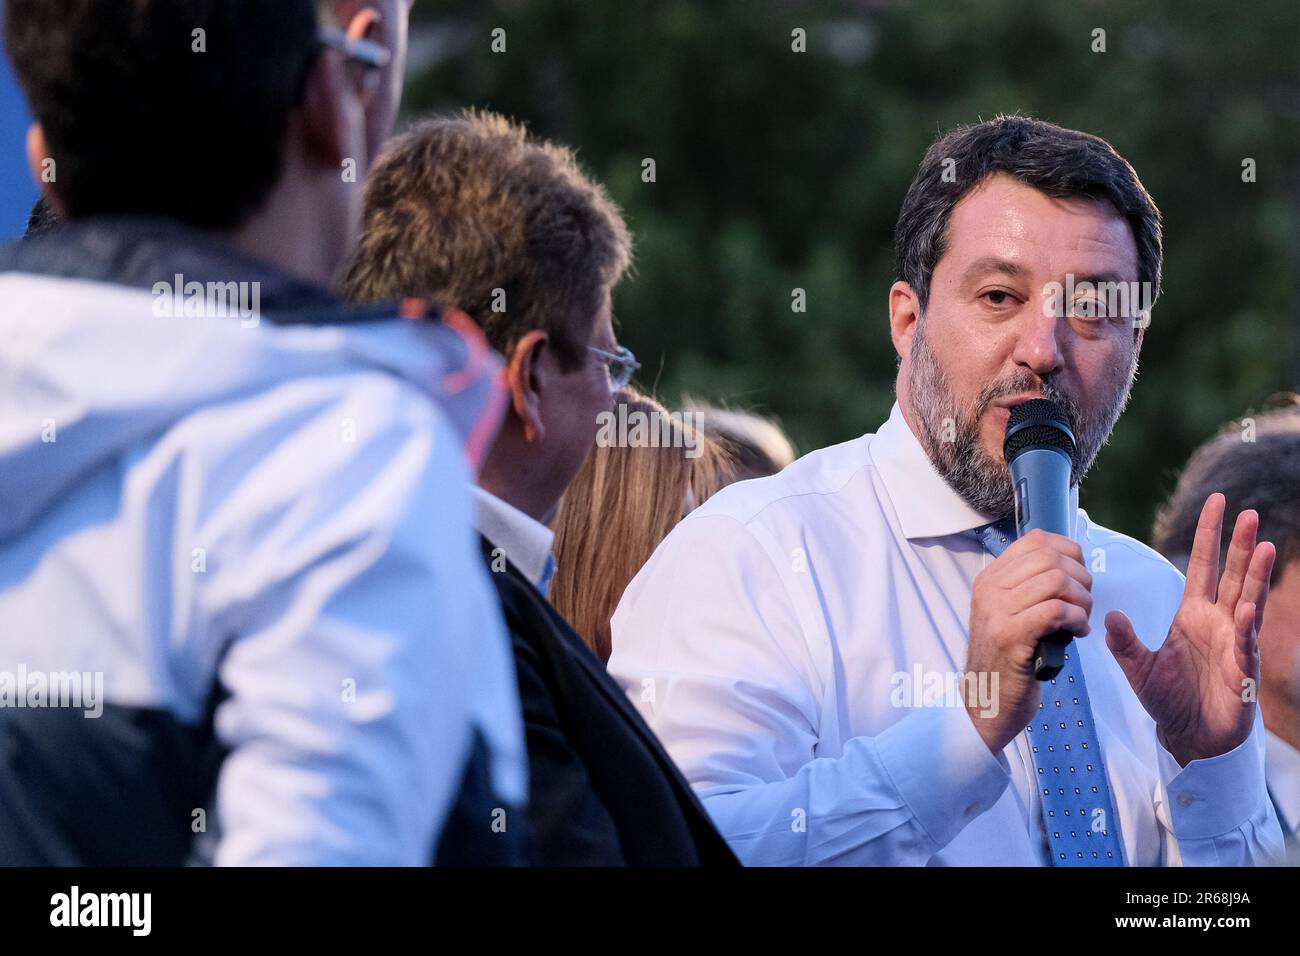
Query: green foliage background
<point>779,170</point>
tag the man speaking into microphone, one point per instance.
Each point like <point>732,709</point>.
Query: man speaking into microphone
<point>845,658</point>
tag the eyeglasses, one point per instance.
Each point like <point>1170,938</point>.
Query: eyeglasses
<point>365,56</point>
<point>621,365</point>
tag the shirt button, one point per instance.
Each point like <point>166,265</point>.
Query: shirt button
<point>971,810</point>
<point>1185,799</point>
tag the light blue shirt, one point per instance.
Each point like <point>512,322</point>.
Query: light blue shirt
<point>794,642</point>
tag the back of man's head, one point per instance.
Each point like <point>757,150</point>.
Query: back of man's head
<point>173,108</point>
<point>470,211</point>
<point>1255,462</point>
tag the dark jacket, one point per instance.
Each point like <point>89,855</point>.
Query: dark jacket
<point>602,790</point>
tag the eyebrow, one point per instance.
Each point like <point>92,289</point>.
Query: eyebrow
<point>988,264</point>
<point>1101,277</point>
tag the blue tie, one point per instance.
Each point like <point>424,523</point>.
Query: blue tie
<point>1078,813</point>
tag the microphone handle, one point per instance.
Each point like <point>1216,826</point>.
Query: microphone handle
<point>1045,469</point>
<point>1049,655</point>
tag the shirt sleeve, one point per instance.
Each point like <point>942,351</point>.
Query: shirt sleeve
<point>364,623</point>
<point>708,644</point>
<point>1216,812</point>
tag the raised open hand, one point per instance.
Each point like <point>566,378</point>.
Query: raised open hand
<point>1199,686</point>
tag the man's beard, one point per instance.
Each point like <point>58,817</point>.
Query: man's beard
<point>950,434</point>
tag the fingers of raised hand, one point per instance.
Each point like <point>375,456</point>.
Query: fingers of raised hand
<point>1240,551</point>
<point>1243,621</point>
<point>1133,656</point>
<point>1255,587</point>
<point>1203,564</point>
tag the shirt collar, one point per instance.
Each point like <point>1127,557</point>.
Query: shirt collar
<point>525,540</point>
<point>926,505</point>
<point>1282,763</point>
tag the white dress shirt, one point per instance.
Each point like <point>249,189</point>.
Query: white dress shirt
<point>770,639</point>
<point>524,540</point>
<point>1282,766</point>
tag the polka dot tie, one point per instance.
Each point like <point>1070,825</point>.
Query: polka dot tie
<point>1078,813</point>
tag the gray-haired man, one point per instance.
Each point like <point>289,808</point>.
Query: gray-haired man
<point>1255,461</point>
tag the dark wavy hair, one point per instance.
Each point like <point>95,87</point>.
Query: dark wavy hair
<point>1255,462</point>
<point>1062,163</point>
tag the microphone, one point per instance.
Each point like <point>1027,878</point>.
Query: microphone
<point>1039,450</point>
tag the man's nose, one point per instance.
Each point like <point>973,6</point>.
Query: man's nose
<point>1039,348</point>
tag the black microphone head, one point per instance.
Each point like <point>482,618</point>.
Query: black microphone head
<point>1038,423</point>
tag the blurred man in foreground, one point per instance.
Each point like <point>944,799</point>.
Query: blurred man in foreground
<point>243,614</point>
<point>841,657</point>
<point>1256,463</point>
<point>383,23</point>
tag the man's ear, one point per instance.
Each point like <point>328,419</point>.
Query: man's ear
<point>525,377</point>
<point>38,152</point>
<point>904,313</point>
<point>358,18</point>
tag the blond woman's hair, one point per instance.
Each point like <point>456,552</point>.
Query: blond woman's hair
<point>622,503</point>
